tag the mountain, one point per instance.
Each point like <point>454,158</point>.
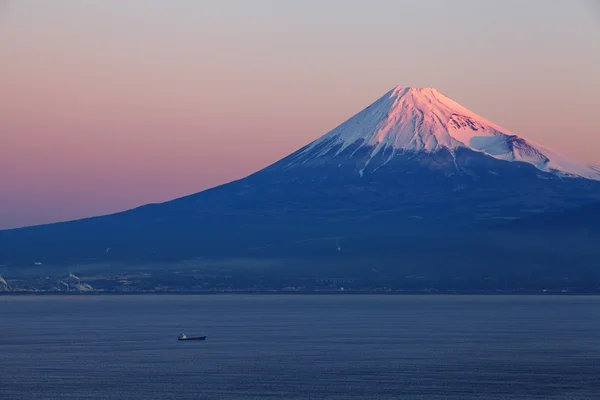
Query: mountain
<point>414,179</point>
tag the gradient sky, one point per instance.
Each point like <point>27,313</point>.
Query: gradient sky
<point>110,104</point>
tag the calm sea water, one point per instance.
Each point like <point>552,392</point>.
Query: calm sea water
<point>300,347</point>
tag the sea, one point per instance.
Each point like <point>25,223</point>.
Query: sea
<point>299,347</point>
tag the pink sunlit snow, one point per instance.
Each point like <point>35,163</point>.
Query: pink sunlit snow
<point>424,120</point>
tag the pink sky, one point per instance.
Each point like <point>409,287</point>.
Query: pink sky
<point>110,105</point>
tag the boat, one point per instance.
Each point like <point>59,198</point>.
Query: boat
<point>183,336</point>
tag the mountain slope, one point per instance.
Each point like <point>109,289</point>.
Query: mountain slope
<point>413,165</point>
<point>579,221</point>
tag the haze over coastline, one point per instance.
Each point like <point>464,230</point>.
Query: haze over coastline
<point>110,105</point>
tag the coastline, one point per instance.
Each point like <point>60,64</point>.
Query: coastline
<point>302,293</point>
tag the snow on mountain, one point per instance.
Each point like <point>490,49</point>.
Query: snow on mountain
<point>424,120</point>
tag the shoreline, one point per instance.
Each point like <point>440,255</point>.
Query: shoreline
<point>302,293</point>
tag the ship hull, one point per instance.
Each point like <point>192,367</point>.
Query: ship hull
<point>193,338</point>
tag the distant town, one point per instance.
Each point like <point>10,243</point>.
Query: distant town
<point>178,283</point>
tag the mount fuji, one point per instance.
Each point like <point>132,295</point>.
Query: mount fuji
<point>412,166</point>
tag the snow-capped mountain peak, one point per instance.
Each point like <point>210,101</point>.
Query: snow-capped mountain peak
<point>409,119</point>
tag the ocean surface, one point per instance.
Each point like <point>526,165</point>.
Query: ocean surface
<point>299,347</point>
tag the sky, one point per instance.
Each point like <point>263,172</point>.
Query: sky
<point>107,105</point>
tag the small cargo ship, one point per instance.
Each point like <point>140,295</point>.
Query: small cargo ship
<point>183,336</point>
